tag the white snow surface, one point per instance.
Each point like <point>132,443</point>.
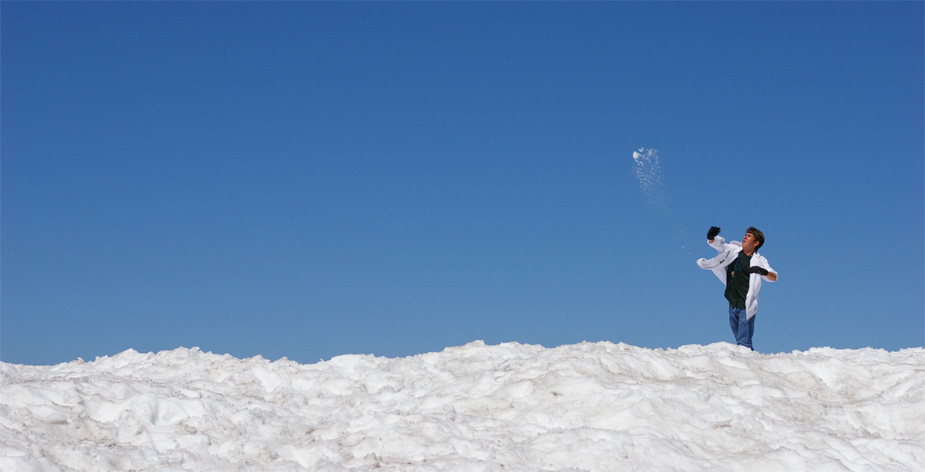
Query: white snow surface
<point>512,407</point>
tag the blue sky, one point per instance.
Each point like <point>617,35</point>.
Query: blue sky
<point>306,180</point>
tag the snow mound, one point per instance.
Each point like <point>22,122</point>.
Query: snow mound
<point>595,407</point>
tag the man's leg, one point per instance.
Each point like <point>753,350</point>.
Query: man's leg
<point>742,327</point>
<point>749,330</point>
<point>734,321</point>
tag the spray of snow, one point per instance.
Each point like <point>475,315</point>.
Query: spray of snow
<point>648,172</point>
<point>594,407</point>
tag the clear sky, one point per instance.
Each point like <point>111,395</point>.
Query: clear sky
<point>306,180</point>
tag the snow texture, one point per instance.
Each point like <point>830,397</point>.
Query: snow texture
<point>512,407</point>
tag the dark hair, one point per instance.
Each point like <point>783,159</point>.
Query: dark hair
<point>759,236</point>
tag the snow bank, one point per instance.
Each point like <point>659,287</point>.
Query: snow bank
<point>514,407</point>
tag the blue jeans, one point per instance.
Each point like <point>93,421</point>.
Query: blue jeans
<point>742,327</point>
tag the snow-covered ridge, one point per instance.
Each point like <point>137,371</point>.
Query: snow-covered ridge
<point>597,407</point>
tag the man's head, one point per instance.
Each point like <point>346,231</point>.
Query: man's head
<point>753,240</point>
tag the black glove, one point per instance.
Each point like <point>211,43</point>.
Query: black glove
<point>757,270</point>
<point>714,230</point>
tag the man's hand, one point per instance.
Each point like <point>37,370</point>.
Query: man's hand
<point>714,230</point>
<point>757,270</point>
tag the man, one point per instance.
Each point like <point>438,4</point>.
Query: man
<point>741,269</point>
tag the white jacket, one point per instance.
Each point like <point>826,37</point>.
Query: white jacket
<point>727,255</point>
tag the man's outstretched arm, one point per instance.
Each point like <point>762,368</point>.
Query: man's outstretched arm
<point>770,274</point>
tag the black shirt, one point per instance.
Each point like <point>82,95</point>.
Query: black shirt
<point>737,281</point>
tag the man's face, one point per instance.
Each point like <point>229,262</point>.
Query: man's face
<point>749,243</point>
